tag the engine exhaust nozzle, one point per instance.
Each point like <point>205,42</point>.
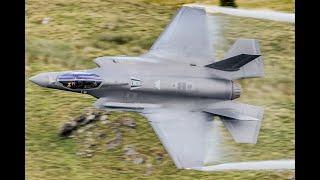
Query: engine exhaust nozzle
<point>236,90</point>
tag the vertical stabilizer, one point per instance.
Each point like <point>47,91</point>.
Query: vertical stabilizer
<point>243,60</point>
<point>251,69</point>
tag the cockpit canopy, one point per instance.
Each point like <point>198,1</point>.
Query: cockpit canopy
<point>79,80</point>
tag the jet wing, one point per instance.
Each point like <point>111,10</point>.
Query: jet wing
<point>185,39</point>
<point>184,134</point>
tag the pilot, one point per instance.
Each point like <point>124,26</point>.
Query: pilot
<point>93,85</point>
<point>73,84</point>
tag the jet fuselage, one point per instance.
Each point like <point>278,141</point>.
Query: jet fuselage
<point>133,79</point>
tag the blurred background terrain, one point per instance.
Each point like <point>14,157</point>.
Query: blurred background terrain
<point>63,35</point>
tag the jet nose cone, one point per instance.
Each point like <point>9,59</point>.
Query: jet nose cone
<point>41,79</point>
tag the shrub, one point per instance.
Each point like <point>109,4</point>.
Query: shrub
<point>230,3</point>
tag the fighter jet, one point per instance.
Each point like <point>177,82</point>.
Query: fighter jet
<point>178,86</point>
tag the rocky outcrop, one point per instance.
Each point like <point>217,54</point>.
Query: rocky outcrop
<point>128,122</point>
<point>116,141</point>
<point>89,117</point>
<point>95,132</point>
<point>132,155</point>
<point>68,128</point>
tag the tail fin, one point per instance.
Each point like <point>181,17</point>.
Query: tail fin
<point>243,60</point>
<point>233,63</point>
<point>242,120</point>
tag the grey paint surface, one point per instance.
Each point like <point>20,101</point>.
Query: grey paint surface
<point>173,89</point>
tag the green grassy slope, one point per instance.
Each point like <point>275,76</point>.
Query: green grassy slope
<point>80,30</point>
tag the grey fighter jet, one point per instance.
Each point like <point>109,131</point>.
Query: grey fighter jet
<point>178,86</point>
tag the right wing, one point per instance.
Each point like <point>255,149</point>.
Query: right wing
<point>185,39</point>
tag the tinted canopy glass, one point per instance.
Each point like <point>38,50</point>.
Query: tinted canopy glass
<point>79,80</point>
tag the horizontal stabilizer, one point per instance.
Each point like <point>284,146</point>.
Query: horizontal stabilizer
<point>242,120</point>
<point>243,60</point>
<point>233,63</point>
<point>243,131</point>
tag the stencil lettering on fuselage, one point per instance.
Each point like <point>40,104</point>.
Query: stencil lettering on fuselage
<point>157,84</point>
<point>182,86</point>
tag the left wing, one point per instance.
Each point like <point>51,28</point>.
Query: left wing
<point>185,39</point>
<point>189,134</point>
<point>185,135</point>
